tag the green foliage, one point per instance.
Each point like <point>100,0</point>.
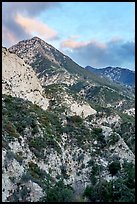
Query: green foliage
<point>88,192</point>
<point>126,118</point>
<point>111,96</point>
<point>77,131</point>
<point>11,130</point>
<point>114,167</point>
<point>22,114</point>
<point>35,171</point>
<point>19,158</point>
<point>95,169</point>
<point>19,114</point>
<point>101,95</point>
<point>97,131</point>
<point>101,192</point>
<point>38,144</point>
<point>129,174</point>
<point>121,189</point>
<point>122,193</point>
<point>94,173</point>
<point>97,134</point>
<point>19,195</point>
<point>113,139</point>
<point>77,120</point>
<point>40,64</point>
<point>127,132</point>
<point>58,193</point>
<point>116,191</point>
<point>64,171</point>
<point>78,86</point>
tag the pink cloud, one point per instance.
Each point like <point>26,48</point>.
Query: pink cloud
<point>35,27</point>
<point>72,43</point>
<point>114,52</point>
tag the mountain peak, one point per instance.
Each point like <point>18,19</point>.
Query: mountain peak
<point>36,38</point>
<point>29,43</point>
<point>39,40</point>
<point>31,48</point>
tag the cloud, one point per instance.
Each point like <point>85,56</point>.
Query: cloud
<point>29,8</point>
<point>35,27</point>
<point>70,43</point>
<point>97,54</point>
<point>10,26</point>
<point>73,44</point>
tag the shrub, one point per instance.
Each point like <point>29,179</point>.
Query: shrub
<point>122,193</point>
<point>35,171</point>
<point>74,119</point>
<point>59,193</point>
<point>88,192</point>
<point>114,167</point>
<point>19,158</point>
<point>113,139</point>
<point>101,192</point>
<point>97,131</point>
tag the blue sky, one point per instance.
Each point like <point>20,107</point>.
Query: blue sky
<point>98,34</point>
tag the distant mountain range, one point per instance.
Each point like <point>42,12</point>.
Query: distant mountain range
<point>117,74</point>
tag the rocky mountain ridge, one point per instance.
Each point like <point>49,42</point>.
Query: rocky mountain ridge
<point>118,74</point>
<point>34,51</point>
<point>76,148</point>
<point>49,62</point>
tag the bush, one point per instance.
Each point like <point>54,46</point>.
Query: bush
<point>114,167</point>
<point>101,192</point>
<point>19,158</point>
<point>88,192</point>
<point>64,171</point>
<point>59,193</point>
<point>74,119</point>
<point>35,171</point>
<point>129,174</point>
<point>97,131</point>
<point>113,139</point>
<point>122,193</point>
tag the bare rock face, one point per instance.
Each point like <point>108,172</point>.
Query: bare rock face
<point>19,80</point>
<point>76,107</point>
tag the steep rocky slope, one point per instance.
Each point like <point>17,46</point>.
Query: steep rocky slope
<point>19,79</point>
<point>41,148</point>
<point>77,144</point>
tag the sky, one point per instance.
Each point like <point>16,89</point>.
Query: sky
<point>98,34</point>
